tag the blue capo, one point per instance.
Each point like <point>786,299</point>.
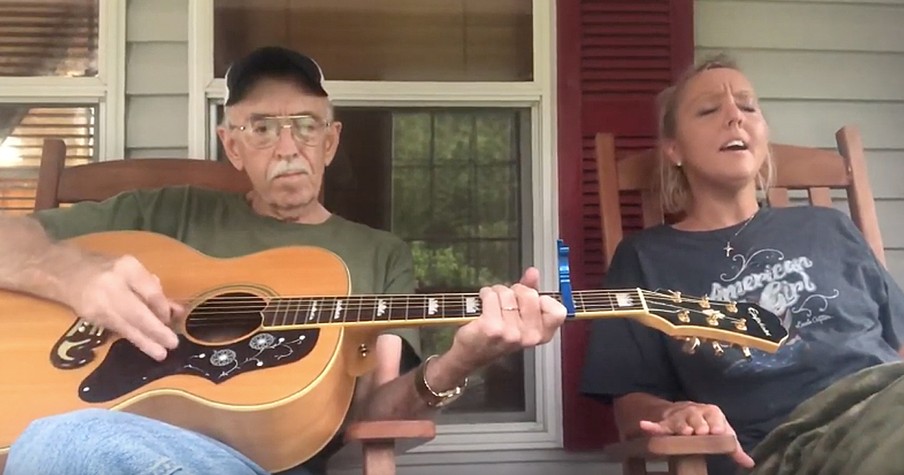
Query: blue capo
<point>565,279</point>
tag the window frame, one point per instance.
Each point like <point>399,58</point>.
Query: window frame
<point>538,95</point>
<point>106,90</point>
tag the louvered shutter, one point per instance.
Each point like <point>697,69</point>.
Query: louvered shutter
<point>614,57</point>
<point>44,38</point>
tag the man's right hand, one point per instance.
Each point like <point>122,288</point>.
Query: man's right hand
<point>120,295</point>
<point>690,418</point>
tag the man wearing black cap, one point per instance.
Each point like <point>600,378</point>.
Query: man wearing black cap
<point>280,130</point>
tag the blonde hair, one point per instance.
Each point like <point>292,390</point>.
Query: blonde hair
<point>674,189</point>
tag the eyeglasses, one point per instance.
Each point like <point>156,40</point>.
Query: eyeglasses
<point>263,131</point>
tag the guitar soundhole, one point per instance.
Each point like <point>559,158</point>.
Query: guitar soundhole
<point>226,317</point>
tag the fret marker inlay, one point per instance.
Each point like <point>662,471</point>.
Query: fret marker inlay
<point>471,305</point>
<point>338,311</point>
<point>432,306</point>
<point>624,300</point>
<point>381,307</point>
<point>313,313</point>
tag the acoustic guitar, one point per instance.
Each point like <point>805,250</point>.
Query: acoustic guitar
<point>273,342</point>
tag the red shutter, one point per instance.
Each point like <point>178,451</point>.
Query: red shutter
<point>614,56</point>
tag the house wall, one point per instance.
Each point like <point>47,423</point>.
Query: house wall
<point>817,66</point>
<point>156,78</point>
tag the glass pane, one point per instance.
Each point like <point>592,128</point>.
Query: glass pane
<point>23,129</point>
<point>401,40</point>
<point>48,38</point>
<point>449,182</point>
<point>456,198</point>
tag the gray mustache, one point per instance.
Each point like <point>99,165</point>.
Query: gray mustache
<point>283,167</point>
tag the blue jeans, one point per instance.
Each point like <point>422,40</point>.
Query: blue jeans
<point>96,441</point>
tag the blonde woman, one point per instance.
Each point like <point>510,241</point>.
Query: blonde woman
<point>809,265</point>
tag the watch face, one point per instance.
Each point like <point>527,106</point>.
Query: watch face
<point>447,397</point>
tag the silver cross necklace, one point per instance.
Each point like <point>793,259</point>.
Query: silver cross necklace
<point>728,247</point>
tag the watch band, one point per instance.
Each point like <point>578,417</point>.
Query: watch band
<point>428,395</point>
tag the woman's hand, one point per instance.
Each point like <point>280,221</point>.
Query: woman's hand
<point>691,418</point>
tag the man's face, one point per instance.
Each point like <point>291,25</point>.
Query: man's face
<point>283,138</point>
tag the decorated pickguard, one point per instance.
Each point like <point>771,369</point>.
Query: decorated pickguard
<point>76,348</point>
<point>126,368</point>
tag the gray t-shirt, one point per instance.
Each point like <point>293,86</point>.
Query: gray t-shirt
<point>810,266</point>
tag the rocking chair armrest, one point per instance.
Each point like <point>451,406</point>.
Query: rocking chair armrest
<point>388,431</point>
<point>381,441</point>
<point>671,445</point>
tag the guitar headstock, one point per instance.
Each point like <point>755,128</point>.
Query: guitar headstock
<point>699,320</point>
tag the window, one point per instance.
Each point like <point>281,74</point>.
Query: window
<point>456,199</point>
<point>57,80</point>
<point>447,181</point>
<point>389,40</point>
<point>24,128</point>
<point>447,141</point>
<point>49,38</point>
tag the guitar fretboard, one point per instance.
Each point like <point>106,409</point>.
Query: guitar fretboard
<point>419,308</point>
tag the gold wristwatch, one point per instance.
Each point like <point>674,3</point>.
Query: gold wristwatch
<point>431,397</point>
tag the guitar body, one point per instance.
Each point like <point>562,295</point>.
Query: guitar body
<point>276,395</point>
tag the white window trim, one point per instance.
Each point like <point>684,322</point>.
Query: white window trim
<point>539,96</point>
<point>107,90</point>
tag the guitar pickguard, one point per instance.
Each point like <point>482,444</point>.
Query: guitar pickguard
<point>126,368</point>
<point>76,348</point>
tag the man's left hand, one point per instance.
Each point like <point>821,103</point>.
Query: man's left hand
<point>513,318</point>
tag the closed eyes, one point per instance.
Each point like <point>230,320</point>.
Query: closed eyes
<point>744,107</point>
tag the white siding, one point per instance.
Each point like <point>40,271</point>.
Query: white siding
<point>819,65</point>
<point>156,78</point>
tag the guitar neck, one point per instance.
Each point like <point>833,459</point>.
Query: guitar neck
<point>421,309</point>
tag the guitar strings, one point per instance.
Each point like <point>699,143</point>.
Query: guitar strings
<point>419,301</point>
<point>594,295</point>
<point>357,302</point>
<point>224,314</point>
<point>607,293</point>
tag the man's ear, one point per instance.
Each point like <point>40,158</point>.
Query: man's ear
<point>331,142</point>
<point>230,145</point>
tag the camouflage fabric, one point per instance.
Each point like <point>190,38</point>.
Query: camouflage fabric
<point>855,426</point>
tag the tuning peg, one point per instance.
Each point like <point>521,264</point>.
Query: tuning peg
<point>676,296</point>
<point>741,325</point>
<point>732,307</point>
<point>690,345</point>
<point>704,302</point>
<point>746,352</point>
<point>717,348</point>
<point>684,316</point>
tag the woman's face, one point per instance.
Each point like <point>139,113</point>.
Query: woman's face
<point>721,138</point>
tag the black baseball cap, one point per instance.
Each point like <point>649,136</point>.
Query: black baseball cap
<point>272,62</point>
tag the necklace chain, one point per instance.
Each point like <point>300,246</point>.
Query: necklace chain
<point>728,247</point>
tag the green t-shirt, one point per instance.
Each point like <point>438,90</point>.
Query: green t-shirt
<point>223,225</point>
